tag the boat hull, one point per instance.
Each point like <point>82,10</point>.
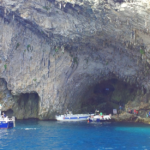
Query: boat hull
<point>72,117</point>
<point>98,120</point>
<point>6,125</point>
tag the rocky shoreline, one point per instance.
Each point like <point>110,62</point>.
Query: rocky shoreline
<point>127,117</point>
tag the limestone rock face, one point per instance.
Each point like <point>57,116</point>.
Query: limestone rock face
<point>5,95</point>
<point>52,53</point>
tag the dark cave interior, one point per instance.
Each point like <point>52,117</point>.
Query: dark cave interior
<point>108,95</point>
<point>28,105</point>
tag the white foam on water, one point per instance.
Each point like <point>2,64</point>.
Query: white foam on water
<point>29,128</point>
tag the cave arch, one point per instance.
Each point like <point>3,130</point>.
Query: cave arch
<point>107,95</point>
<point>26,106</point>
<point>22,106</point>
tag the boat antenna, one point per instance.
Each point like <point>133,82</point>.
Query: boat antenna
<point>0,109</point>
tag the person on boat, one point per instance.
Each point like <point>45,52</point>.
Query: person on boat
<point>130,111</point>
<point>96,112</point>
<point>146,114</point>
<point>137,112</point>
<point>134,112</point>
<point>67,111</point>
<point>149,114</point>
<point>3,115</point>
<point>120,108</point>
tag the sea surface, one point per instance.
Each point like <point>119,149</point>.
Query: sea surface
<point>54,135</point>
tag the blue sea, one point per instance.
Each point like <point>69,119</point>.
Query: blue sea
<point>54,135</point>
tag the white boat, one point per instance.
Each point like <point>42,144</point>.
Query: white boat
<point>72,117</point>
<point>5,122</point>
<point>99,118</point>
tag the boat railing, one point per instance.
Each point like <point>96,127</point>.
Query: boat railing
<point>4,119</point>
<point>7,119</point>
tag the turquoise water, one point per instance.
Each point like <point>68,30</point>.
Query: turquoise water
<point>53,135</point>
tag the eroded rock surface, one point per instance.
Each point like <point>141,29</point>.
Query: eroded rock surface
<point>61,49</point>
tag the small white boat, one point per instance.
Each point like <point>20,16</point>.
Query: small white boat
<point>72,117</point>
<point>5,122</point>
<point>99,118</point>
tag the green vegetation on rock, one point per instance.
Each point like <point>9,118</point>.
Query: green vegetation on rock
<point>34,80</point>
<point>28,46</point>
<point>46,8</point>
<point>56,50</point>
<point>17,45</point>
<point>5,66</point>
<point>142,51</point>
<point>75,60</point>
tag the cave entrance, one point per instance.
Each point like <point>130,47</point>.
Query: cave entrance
<point>9,113</point>
<point>107,95</point>
<point>27,106</point>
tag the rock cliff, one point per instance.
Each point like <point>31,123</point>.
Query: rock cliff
<point>56,54</point>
